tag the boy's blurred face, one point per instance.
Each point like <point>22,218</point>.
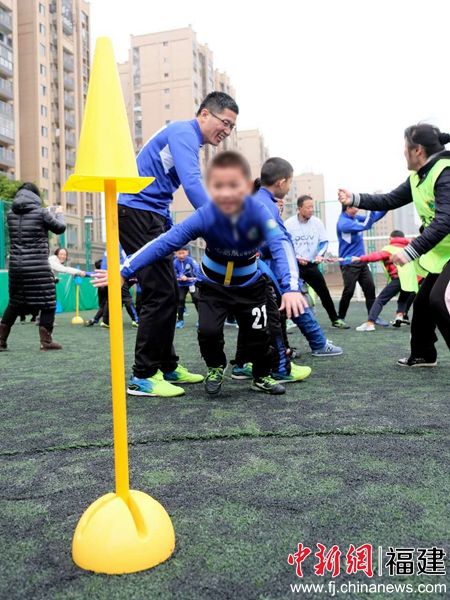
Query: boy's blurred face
<point>181,254</point>
<point>228,188</point>
<point>282,188</point>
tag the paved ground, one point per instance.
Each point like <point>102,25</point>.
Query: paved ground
<point>357,454</point>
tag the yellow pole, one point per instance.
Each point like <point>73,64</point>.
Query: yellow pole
<point>77,300</point>
<point>116,343</point>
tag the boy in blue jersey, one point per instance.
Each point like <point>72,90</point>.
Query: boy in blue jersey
<point>233,226</point>
<point>350,228</point>
<point>271,189</point>
<point>186,272</point>
<point>172,157</point>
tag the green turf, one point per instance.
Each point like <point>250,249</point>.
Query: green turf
<point>358,453</point>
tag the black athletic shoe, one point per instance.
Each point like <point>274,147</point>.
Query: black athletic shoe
<point>268,385</point>
<point>91,323</point>
<point>214,380</point>
<point>416,362</point>
<point>396,323</point>
<point>405,320</point>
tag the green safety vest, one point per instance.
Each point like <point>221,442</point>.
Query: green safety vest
<point>423,198</point>
<point>406,273</point>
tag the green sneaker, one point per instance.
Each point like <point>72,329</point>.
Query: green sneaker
<point>182,375</point>
<point>153,386</point>
<point>298,373</point>
<point>340,324</point>
<point>245,372</point>
<point>268,385</point>
<point>134,324</point>
<point>214,380</point>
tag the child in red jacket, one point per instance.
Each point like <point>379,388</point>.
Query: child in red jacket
<point>402,280</point>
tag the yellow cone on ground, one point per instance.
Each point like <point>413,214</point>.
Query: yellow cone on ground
<point>105,149</point>
<point>125,531</point>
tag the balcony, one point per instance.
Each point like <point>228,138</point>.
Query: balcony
<point>7,157</point>
<point>69,101</point>
<point>69,120</point>
<point>70,158</point>
<point>6,60</point>
<point>7,132</point>
<point>67,24</point>
<point>68,62</point>
<point>6,89</point>
<point>6,109</point>
<point>70,139</point>
<point>69,83</point>
<point>5,21</point>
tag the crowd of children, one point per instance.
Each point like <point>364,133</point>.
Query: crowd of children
<point>255,268</point>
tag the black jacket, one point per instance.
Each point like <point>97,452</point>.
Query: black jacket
<point>31,281</point>
<point>439,226</point>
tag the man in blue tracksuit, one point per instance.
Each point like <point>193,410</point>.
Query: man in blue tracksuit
<point>233,226</point>
<point>172,156</point>
<point>350,228</point>
<point>186,272</point>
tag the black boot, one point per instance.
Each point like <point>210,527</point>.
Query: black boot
<point>4,333</point>
<point>46,340</point>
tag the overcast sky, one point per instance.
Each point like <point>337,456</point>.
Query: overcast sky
<point>330,83</point>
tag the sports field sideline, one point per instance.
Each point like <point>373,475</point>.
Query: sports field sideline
<point>359,453</point>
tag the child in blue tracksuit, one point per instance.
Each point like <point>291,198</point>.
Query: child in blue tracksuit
<point>276,177</point>
<point>233,226</point>
<point>186,272</point>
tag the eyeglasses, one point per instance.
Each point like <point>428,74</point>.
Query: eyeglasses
<point>227,124</point>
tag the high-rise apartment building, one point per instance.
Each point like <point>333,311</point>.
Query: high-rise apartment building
<point>9,91</point>
<point>54,59</point>
<point>311,184</point>
<point>165,78</point>
<point>250,143</point>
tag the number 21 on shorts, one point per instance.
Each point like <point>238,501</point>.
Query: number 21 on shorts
<point>260,314</point>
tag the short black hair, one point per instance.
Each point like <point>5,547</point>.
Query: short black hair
<point>230,158</point>
<point>430,137</point>
<point>274,169</point>
<point>31,187</point>
<point>218,102</point>
<point>98,264</point>
<point>397,233</point>
<point>302,199</point>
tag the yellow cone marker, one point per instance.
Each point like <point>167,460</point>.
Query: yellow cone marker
<point>125,531</point>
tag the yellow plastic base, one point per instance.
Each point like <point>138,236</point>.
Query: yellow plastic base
<point>115,537</point>
<point>78,321</point>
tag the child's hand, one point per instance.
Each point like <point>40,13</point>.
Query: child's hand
<point>355,259</point>
<point>100,278</point>
<point>294,303</point>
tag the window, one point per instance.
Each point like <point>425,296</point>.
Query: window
<point>165,59</point>
<point>43,90</point>
<point>44,111</point>
<point>167,121</point>
<point>44,172</point>
<point>44,151</point>
<point>41,28</point>
<point>42,69</point>
<point>165,43</point>
<point>44,131</point>
<point>41,9</point>
<point>167,106</point>
<point>42,49</point>
<point>167,90</point>
<point>166,75</point>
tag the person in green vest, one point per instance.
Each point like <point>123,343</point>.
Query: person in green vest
<point>400,279</point>
<point>428,187</point>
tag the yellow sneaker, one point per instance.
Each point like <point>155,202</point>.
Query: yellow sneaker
<point>154,386</point>
<point>182,375</point>
<point>298,373</point>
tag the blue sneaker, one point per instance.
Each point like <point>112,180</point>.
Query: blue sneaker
<point>180,324</point>
<point>381,323</point>
<point>153,386</point>
<point>328,350</point>
<point>244,372</point>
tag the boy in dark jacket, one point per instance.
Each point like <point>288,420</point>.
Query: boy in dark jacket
<point>186,271</point>
<point>401,279</point>
<point>31,281</point>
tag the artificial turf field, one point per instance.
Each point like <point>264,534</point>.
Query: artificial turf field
<point>358,453</point>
